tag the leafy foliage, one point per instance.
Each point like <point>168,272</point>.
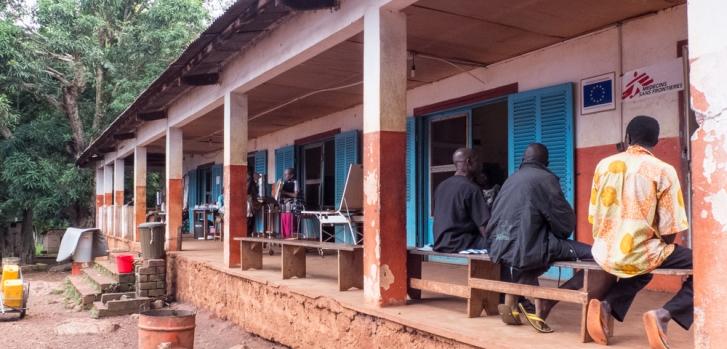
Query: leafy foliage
<point>67,68</point>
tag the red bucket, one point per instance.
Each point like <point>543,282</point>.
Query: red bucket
<point>125,263</point>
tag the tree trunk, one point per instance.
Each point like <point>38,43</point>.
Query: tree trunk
<point>70,108</point>
<point>18,240</point>
<point>27,245</point>
<point>100,105</point>
<point>5,132</point>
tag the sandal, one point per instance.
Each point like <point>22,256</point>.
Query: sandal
<point>595,326</point>
<point>535,321</point>
<point>654,333</point>
<point>509,315</point>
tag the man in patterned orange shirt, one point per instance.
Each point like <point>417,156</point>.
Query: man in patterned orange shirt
<point>636,210</point>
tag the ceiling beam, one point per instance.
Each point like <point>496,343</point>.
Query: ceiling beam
<point>124,136</point>
<point>201,79</point>
<point>105,150</point>
<point>152,115</point>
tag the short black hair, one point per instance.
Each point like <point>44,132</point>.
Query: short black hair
<point>537,152</point>
<point>643,130</point>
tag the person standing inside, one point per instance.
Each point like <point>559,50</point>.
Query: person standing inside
<point>460,210</point>
<point>288,197</point>
<point>637,210</point>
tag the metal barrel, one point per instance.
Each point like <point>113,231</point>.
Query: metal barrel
<point>152,240</point>
<point>160,326</point>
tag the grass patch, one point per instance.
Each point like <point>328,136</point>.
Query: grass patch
<point>38,249</point>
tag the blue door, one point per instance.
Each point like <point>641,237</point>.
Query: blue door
<point>546,116</point>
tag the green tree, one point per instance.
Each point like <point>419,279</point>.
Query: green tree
<point>67,68</point>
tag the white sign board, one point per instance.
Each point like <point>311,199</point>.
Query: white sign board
<point>653,80</point>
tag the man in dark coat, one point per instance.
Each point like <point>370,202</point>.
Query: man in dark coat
<point>530,225</point>
<point>460,209</point>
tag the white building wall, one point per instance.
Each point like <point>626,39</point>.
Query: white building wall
<point>645,41</point>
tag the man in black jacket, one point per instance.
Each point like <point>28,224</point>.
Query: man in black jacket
<point>529,229</point>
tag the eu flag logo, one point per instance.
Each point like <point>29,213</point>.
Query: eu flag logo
<point>597,93</point>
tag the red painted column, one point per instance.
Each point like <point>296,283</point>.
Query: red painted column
<point>384,162</point>
<point>139,189</point>
<point>707,54</point>
<point>235,176</point>
<point>175,188</point>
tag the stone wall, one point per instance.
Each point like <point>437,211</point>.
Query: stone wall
<point>151,278</point>
<point>281,315</point>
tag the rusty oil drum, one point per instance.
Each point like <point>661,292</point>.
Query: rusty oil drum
<point>166,326</point>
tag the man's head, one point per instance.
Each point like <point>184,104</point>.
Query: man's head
<point>536,152</point>
<point>643,130</point>
<point>289,174</point>
<point>466,162</point>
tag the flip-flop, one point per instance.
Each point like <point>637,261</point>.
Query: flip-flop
<point>509,315</point>
<point>596,328</point>
<point>535,321</point>
<point>655,335</point>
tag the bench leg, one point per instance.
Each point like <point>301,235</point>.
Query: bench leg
<point>480,299</point>
<point>596,283</point>
<point>251,255</point>
<point>350,269</point>
<point>413,270</point>
<point>293,264</point>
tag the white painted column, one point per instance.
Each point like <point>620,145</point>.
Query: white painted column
<point>108,201</point>
<point>139,189</point>
<point>384,121</point>
<point>99,196</point>
<point>235,176</point>
<point>175,188</point>
<point>118,196</point>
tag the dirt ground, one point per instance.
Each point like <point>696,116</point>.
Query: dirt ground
<point>49,323</point>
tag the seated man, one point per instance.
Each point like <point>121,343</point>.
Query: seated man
<point>636,210</point>
<point>460,210</point>
<point>529,229</point>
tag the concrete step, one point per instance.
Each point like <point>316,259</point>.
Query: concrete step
<point>102,281</point>
<point>123,305</point>
<point>108,268</point>
<point>85,292</point>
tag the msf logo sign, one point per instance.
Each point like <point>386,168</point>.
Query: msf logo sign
<point>636,85</point>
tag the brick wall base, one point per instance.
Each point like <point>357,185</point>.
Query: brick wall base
<point>278,314</point>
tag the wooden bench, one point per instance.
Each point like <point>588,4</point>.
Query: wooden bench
<point>293,255</point>
<point>478,267</point>
<point>485,285</point>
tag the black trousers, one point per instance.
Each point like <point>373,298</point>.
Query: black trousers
<point>560,250</point>
<point>681,306</point>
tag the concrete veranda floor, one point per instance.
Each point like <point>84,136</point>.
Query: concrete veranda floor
<point>445,316</point>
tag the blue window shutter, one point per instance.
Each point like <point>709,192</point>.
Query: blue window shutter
<point>546,116</point>
<point>261,162</point>
<point>522,125</point>
<point>346,151</point>
<point>216,186</point>
<point>411,192</point>
<point>191,197</point>
<point>284,158</point>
